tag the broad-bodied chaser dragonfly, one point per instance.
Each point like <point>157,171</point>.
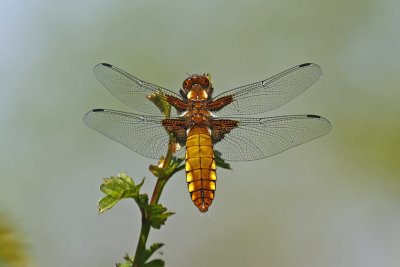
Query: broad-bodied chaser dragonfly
<point>200,121</point>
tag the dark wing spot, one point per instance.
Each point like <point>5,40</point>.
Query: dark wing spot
<point>304,65</point>
<point>314,116</point>
<point>98,110</point>
<point>106,64</point>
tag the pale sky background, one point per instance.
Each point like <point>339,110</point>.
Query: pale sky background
<point>332,202</point>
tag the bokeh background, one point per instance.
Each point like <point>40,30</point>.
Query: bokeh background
<point>332,202</point>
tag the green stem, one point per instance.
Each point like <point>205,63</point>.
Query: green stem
<point>141,246</point>
<point>161,181</point>
<point>146,225</point>
<point>158,190</point>
<point>170,152</point>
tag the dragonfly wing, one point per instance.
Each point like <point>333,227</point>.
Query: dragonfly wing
<point>271,93</point>
<point>143,134</point>
<point>255,138</point>
<point>131,90</point>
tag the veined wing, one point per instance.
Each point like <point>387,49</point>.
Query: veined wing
<point>131,90</point>
<point>271,93</point>
<point>143,134</point>
<point>256,138</point>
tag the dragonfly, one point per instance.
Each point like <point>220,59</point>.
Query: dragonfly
<point>204,123</point>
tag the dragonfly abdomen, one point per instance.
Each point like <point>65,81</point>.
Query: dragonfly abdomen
<point>200,167</point>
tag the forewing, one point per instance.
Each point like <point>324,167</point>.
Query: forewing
<point>143,134</point>
<point>271,93</point>
<point>131,90</point>
<point>255,138</point>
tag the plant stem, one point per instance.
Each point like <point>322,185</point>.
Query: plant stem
<point>146,225</point>
<point>141,246</point>
<point>157,190</point>
<point>161,181</point>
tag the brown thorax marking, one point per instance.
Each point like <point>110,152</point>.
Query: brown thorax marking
<point>197,90</point>
<point>197,106</point>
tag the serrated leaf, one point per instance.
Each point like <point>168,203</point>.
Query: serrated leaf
<point>220,161</point>
<point>128,258</point>
<point>117,188</point>
<point>127,179</point>
<point>177,160</point>
<point>128,262</point>
<point>142,200</point>
<point>107,203</point>
<point>157,215</point>
<point>173,165</point>
<point>150,251</point>
<point>112,187</point>
<point>155,263</point>
<point>161,171</point>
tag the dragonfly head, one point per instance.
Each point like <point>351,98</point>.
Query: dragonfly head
<point>197,87</point>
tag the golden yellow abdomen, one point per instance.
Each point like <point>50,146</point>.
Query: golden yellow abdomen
<point>200,167</point>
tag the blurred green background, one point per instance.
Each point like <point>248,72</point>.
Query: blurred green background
<point>332,202</point>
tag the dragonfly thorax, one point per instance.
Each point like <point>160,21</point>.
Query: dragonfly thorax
<point>198,120</point>
<point>197,113</point>
<point>197,93</point>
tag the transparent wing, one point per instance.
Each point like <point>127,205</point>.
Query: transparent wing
<point>271,93</point>
<point>260,138</point>
<point>143,134</point>
<point>131,90</point>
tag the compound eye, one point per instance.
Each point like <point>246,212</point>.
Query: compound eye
<point>187,83</point>
<point>204,82</point>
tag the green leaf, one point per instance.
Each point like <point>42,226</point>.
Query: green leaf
<point>107,203</point>
<point>117,188</point>
<point>128,262</point>
<point>155,263</point>
<point>112,187</point>
<point>220,161</point>
<point>143,201</point>
<point>125,264</point>
<point>174,164</point>
<point>166,171</point>
<point>128,180</point>
<point>150,251</point>
<point>176,161</point>
<point>157,215</point>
